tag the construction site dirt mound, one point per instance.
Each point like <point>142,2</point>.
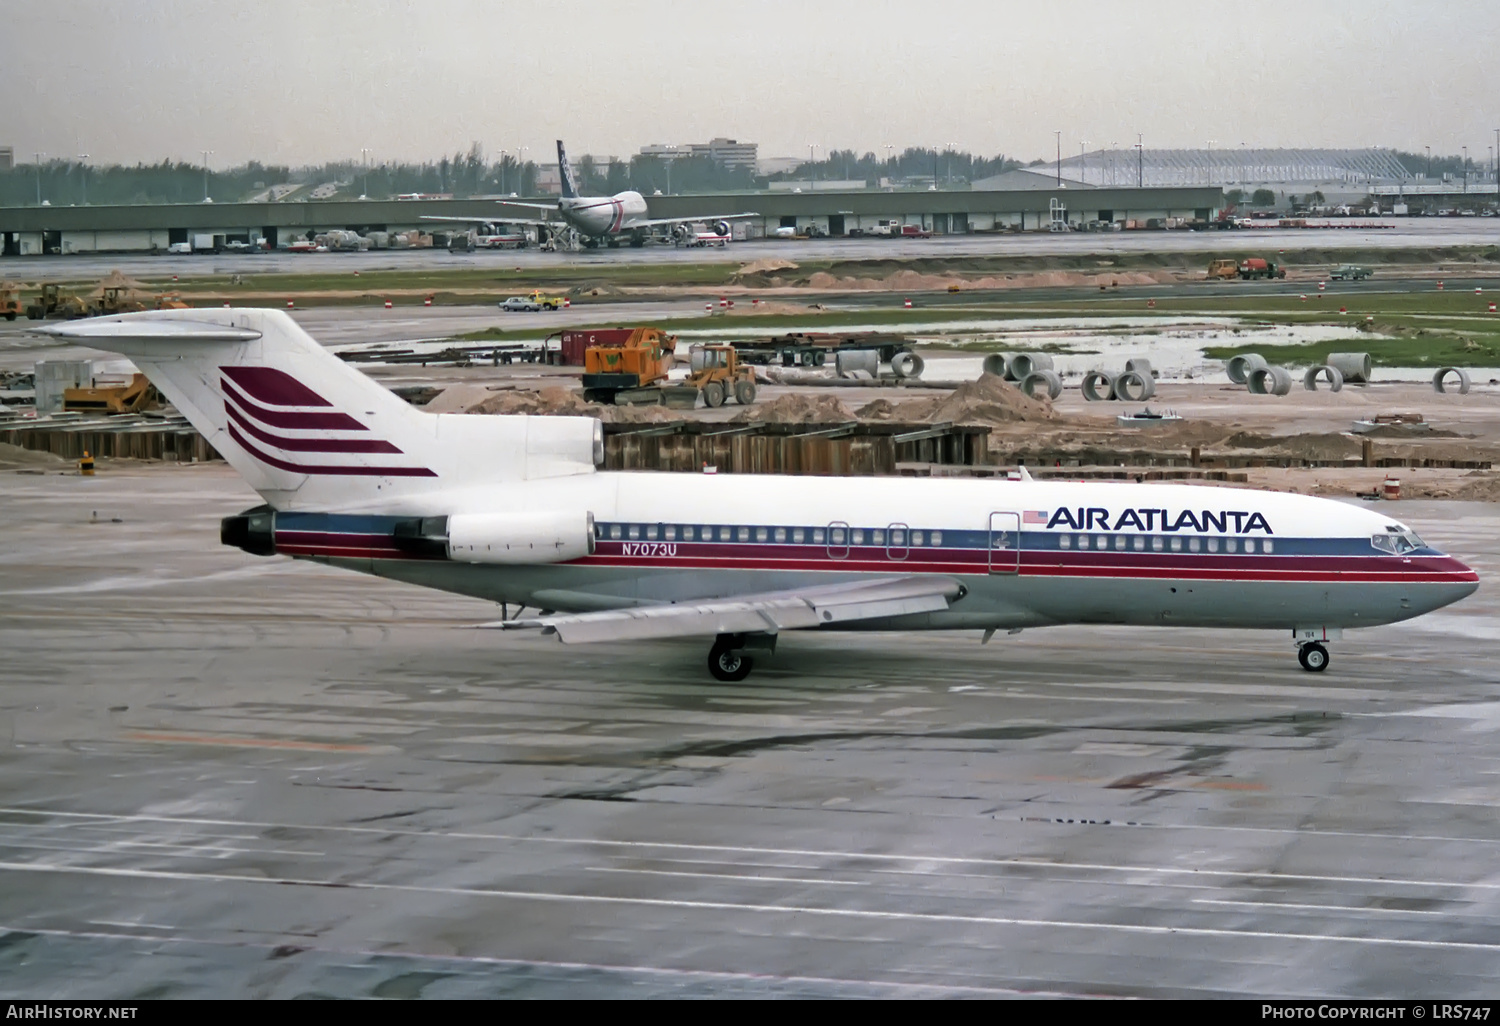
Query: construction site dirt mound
<point>798,409</point>
<point>552,402</point>
<point>743,309</point>
<point>767,266</point>
<point>990,400</point>
<point>637,414</point>
<point>595,288</point>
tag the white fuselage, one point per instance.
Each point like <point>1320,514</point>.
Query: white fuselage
<point>1028,553</point>
<point>603,215</point>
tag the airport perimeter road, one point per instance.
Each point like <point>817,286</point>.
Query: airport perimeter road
<point>1399,233</point>
<point>230,776</point>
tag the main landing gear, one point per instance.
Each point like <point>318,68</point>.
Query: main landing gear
<point>1313,657</point>
<point>729,659</point>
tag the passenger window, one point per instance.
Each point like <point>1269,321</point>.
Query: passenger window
<point>1083,541</point>
<point>669,533</point>
<point>1101,541</point>
<point>1265,545</point>
<point>857,536</point>
<point>633,531</point>
<point>1176,544</point>
<point>743,534</point>
<point>1138,543</point>
<point>1249,544</point>
<point>781,534</point>
<point>724,534</point>
<point>916,537</point>
<point>937,538</point>
<point>1213,545</point>
<point>651,532</point>
<point>836,536</point>
<point>818,536</point>
<point>760,534</point>
<point>1065,541</point>
<point>1156,543</point>
<point>1119,541</point>
<point>798,534</point>
<point>614,531</point>
<point>1230,545</point>
<point>1194,545</point>
<point>877,537</point>
<point>898,539</point>
<point>687,534</point>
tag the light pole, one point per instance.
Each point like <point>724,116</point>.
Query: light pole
<point>669,175</point>
<point>1429,161</point>
<point>1058,133</point>
<point>206,155</point>
<point>502,172</point>
<point>364,158</point>
<point>1140,161</point>
<point>521,161</point>
<point>83,170</point>
<point>39,157</point>
<point>1466,167</point>
<point>951,147</point>
<point>1208,172</point>
<point>1083,167</point>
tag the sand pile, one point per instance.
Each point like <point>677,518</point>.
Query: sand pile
<point>768,266</point>
<point>746,309</point>
<point>636,414</point>
<point>554,402</point>
<point>13,456</point>
<point>909,412</point>
<point>990,400</point>
<point>914,281</point>
<point>798,409</point>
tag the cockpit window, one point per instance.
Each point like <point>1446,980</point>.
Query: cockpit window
<point>1397,542</point>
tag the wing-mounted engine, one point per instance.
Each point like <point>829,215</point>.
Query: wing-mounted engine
<point>721,228</point>
<point>682,232</point>
<point>505,538</point>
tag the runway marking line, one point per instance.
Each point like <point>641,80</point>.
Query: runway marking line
<point>735,906</point>
<point>244,742</point>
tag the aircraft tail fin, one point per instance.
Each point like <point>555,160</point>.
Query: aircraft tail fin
<point>565,172</point>
<point>306,429</point>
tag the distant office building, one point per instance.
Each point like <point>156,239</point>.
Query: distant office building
<point>725,152</point>
<point>7,158</point>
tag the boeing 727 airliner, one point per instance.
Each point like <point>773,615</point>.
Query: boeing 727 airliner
<point>514,509</point>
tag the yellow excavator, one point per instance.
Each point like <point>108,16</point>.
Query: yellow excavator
<point>135,396</point>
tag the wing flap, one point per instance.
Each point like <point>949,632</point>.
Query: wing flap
<point>764,613</point>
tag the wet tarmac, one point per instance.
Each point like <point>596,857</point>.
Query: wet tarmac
<point>231,776</point>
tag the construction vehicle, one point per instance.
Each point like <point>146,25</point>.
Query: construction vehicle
<point>1255,267</point>
<point>134,396</point>
<point>629,370</point>
<point>170,301</point>
<point>115,300</point>
<point>717,374</point>
<point>10,301</point>
<point>1223,270</point>
<point>545,301</point>
<point>54,302</point>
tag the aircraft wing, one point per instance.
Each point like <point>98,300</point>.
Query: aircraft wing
<point>653,222</point>
<point>489,220</point>
<point>764,612</point>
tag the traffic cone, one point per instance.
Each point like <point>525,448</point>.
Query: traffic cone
<point>290,304</point>
<point>723,303</point>
<point>174,277</point>
<point>226,306</point>
<point>387,304</point>
<point>1343,309</point>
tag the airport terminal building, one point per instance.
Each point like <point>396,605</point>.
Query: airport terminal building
<point>1016,201</point>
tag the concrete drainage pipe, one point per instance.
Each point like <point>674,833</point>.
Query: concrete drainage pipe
<point>1355,367</point>
<point>1044,379</point>
<point>1269,381</point>
<point>1461,385</point>
<point>847,363</point>
<point>998,364</point>
<point>1335,379</point>
<point>1026,364</point>
<point>1092,382</point>
<point>907,364</point>
<point>1135,387</point>
<point>1140,365</point>
<point>1239,367</point>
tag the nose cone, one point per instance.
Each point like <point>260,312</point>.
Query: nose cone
<point>1441,581</point>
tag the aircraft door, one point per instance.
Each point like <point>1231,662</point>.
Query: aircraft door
<point>1005,543</point>
<point>898,544</point>
<point>838,540</point>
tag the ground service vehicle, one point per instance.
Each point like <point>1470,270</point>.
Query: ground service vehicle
<point>10,301</point>
<point>373,484</point>
<point>718,375</point>
<point>54,302</point>
<point>1349,272</point>
<point>520,303</point>
<point>615,371</point>
<point>1255,267</point>
<point>546,302</point>
<point>1223,270</point>
<point>914,231</point>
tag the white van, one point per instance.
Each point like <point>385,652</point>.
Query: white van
<point>180,247</point>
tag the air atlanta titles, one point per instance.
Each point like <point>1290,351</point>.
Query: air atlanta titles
<point>1233,521</point>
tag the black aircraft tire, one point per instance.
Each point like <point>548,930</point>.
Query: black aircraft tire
<point>1313,657</point>
<point>728,666</point>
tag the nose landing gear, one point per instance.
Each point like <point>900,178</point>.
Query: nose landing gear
<point>1313,657</point>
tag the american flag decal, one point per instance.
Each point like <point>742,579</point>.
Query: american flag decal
<point>1034,516</point>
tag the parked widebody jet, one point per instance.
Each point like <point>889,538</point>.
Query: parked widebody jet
<point>515,510</point>
<point>607,219</point>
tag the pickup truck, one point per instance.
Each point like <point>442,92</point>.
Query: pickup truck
<point>914,231</point>
<point>1349,272</point>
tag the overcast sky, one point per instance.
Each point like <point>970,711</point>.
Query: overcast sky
<point>296,81</point>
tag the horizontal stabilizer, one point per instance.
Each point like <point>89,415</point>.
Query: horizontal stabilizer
<point>148,328</point>
<point>766,612</point>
